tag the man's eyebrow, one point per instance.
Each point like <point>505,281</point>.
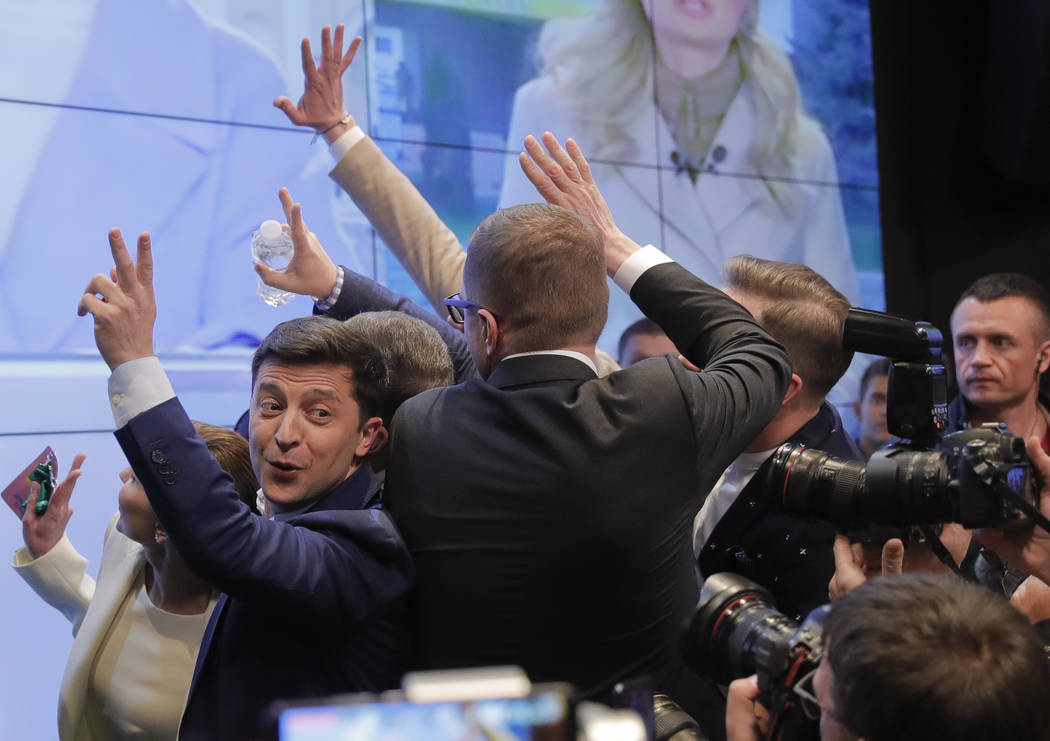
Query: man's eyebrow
<point>323,392</point>
<point>270,387</point>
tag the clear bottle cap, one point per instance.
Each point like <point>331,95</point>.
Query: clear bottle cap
<point>270,229</point>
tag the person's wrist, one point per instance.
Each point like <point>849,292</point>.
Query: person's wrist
<point>618,247</point>
<point>331,275</point>
<point>334,128</point>
<point>338,130</point>
<point>117,359</point>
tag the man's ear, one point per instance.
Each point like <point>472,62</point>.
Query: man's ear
<point>369,431</point>
<point>490,330</point>
<point>793,389</point>
<point>380,440</point>
<point>1044,357</point>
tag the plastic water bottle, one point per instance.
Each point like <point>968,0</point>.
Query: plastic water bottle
<point>272,246</point>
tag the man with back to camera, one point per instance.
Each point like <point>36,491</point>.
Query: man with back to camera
<point>311,598</point>
<point>870,408</point>
<point>918,657</point>
<point>735,529</point>
<point>548,510</point>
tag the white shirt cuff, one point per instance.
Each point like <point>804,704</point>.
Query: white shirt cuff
<point>345,143</point>
<point>636,264</point>
<point>136,386</point>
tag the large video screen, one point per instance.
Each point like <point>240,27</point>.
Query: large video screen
<point>716,127</point>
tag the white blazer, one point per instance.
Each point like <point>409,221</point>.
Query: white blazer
<point>60,578</point>
<point>725,213</point>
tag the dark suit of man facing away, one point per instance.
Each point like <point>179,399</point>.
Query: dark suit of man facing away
<point>548,511</point>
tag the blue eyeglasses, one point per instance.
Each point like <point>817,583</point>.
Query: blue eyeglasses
<point>456,304</point>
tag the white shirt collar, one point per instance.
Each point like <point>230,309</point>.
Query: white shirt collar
<point>567,353</point>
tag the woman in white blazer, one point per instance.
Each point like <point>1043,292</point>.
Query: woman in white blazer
<point>138,627</point>
<point>697,89</point>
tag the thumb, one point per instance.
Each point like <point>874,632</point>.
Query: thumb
<point>845,561</point>
<point>892,557</point>
<point>271,277</point>
<point>29,516</point>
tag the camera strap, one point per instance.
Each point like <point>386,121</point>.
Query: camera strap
<point>939,550</point>
<point>1006,492</point>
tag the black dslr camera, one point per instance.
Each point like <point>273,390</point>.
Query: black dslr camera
<point>979,477</point>
<point>735,632</point>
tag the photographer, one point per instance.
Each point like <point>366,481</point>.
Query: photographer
<point>1026,547</point>
<point>917,657</point>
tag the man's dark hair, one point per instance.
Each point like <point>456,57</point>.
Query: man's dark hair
<point>321,340</point>
<point>995,286</point>
<point>802,311</point>
<point>919,657</point>
<point>876,369</point>
<point>643,327</point>
<point>416,356</point>
<point>231,451</point>
<point>541,270</point>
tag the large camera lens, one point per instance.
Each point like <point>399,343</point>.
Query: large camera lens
<point>811,483</point>
<point>735,630</point>
<point>899,486</point>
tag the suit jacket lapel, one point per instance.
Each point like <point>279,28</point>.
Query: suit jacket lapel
<point>694,214</point>
<point>727,186</point>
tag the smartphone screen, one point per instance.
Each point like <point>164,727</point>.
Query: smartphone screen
<point>543,716</point>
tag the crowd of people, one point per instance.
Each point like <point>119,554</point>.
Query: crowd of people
<point>418,493</point>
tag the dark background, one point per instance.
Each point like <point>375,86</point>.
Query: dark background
<point>962,97</point>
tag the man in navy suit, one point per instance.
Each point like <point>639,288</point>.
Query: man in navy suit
<point>311,597</point>
<point>735,530</point>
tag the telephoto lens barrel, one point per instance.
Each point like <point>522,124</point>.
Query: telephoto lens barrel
<point>899,486</point>
<point>810,483</point>
<point>735,630</point>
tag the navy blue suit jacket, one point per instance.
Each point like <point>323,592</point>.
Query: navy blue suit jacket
<point>793,558</point>
<point>312,602</point>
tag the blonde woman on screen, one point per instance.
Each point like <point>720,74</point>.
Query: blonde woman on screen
<point>694,87</point>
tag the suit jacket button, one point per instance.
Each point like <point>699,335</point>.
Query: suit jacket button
<point>157,456</point>
<point>169,480</point>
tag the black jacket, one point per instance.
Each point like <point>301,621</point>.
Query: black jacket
<point>549,511</point>
<point>791,557</point>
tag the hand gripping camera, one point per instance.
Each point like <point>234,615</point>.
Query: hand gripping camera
<point>979,477</point>
<point>735,632</point>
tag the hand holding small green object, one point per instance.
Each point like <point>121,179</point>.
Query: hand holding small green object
<point>44,474</point>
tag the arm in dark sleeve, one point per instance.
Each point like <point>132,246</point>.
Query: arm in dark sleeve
<point>360,294</point>
<point>745,371</point>
<point>348,566</point>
